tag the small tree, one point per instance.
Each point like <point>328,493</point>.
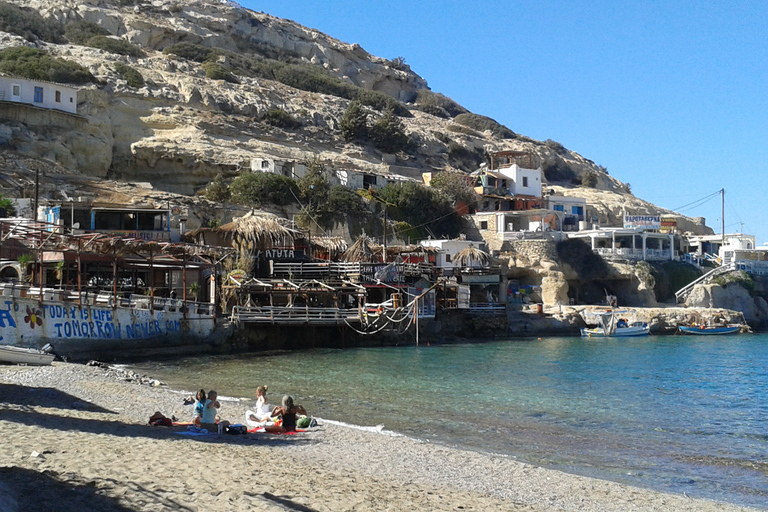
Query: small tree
<point>217,190</point>
<point>589,179</point>
<point>354,122</point>
<point>257,188</point>
<point>455,185</point>
<point>315,184</point>
<point>388,133</point>
<point>194,289</point>
<point>8,206</point>
<point>24,261</point>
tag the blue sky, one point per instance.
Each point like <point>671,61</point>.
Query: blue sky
<point>672,97</point>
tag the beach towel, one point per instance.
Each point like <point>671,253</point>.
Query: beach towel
<point>261,430</point>
<point>194,431</point>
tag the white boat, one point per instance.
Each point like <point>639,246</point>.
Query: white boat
<point>635,329</point>
<point>19,355</point>
<point>614,327</point>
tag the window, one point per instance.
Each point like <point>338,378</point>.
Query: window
<point>71,100</point>
<point>58,97</point>
<point>16,90</point>
<point>525,181</point>
<point>447,258</point>
<point>265,164</point>
<point>558,208</point>
<point>38,94</point>
<point>369,181</point>
<point>483,224</point>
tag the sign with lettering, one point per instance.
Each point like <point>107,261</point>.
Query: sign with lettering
<point>642,221</point>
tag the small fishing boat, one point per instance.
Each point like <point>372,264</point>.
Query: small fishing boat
<point>708,330</point>
<point>635,329</point>
<point>614,327</point>
<point>19,355</point>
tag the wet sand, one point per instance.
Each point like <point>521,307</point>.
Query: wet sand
<point>75,438</point>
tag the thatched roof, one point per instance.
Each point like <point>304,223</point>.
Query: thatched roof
<point>362,250</point>
<point>332,244</point>
<point>466,256</point>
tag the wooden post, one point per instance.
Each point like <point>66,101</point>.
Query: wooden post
<point>184,282</point>
<point>79,277</point>
<point>114,278</point>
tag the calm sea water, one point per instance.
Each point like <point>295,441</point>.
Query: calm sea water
<point>673,413</point>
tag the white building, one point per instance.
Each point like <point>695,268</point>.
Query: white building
<point>447,251</point>
<point>288,168</point>
<point>573,209</point>
<point>630,244</point>
<point>39,93</point>
<point>356,179</point>
<point>524,182</point>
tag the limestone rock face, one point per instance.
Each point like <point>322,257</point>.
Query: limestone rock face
<point>182,129</point>
<point>554,289</point>
<point>731,296</point>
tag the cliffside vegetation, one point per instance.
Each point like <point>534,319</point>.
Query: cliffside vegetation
<point>38,65</point>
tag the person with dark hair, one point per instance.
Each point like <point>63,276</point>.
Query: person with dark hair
<point>199,407</point>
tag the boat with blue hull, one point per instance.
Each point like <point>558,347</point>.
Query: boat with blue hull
<point>704,330</point>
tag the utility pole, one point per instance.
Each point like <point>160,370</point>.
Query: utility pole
<point>722,213</point>
<point>385,233</point>
<point>37,193</point>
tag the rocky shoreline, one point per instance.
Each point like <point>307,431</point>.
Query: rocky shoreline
<point>76,438</point>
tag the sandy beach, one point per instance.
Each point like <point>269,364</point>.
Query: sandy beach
<point>75,438</point>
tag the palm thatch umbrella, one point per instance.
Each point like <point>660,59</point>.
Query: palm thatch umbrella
<point>361,250</point>
<point>466,256</point>
<point>333,245</point>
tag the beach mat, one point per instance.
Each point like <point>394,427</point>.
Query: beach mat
<point>261,430</point>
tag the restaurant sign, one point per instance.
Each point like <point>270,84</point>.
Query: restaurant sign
<point>668,224</point>
<point>642,221</point>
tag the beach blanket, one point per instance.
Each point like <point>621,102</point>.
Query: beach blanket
<point>261,430</point>
<point>194,431</point>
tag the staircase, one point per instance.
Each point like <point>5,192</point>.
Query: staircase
<point>682,293</point>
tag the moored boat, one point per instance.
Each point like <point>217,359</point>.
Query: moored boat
<point>19,355</point>
<point>707,330</point>
<point>635,329</point>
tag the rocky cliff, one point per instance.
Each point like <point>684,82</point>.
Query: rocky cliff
<point>181,128</point>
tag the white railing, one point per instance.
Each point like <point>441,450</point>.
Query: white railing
<point>634,254</point>
<point>486,308</point>
<point>557,236</point>
<point>294,315</point>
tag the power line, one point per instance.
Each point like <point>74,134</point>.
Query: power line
<point>696,203</point>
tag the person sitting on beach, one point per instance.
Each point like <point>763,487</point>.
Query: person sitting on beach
<point>261,414</point>
<point>199,407</point>
<point>208,420</point>
<point>288,411</point>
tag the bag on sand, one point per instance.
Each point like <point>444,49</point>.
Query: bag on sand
<point>303,422</point>
<point>237,429</point>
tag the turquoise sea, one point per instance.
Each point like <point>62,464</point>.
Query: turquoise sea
<point>671,413</point>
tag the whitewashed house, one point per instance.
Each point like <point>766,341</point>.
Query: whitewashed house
<point>288,168</point>
<point>39,93</point>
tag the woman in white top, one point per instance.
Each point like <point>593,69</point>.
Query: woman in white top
<point>261,415</point>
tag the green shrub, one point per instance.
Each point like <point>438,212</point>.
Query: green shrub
<point>559,172</point>
<point>37,65</point>
<point>130,75</point>
<point>426,98</point>
<point>455,185</point>
<point>118,46</point>
<point>388,133</point>
<point>215,71</point>
<point>483,123</point>
<point>354,122</point>
<point>79,32</point>
<point>345,200</point>
<point>464,158</point>
<point>380,101</point>
<point>189,51</point>
<point>27,23</point>
<point>670,276</point>
<point>314,186</point>
<point>281,119</point>
<point>457,128</point>
<point>576,253</point>
<point>258,188</point>
<point>589,179</point>
<point>556,146</point>
<point>399,64</point>
<point>427,209</point>
<point>8,206</point>
<point>432,110</point>
<point>217,190</point>
<point>739,277</point>
<point>442,137</point>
